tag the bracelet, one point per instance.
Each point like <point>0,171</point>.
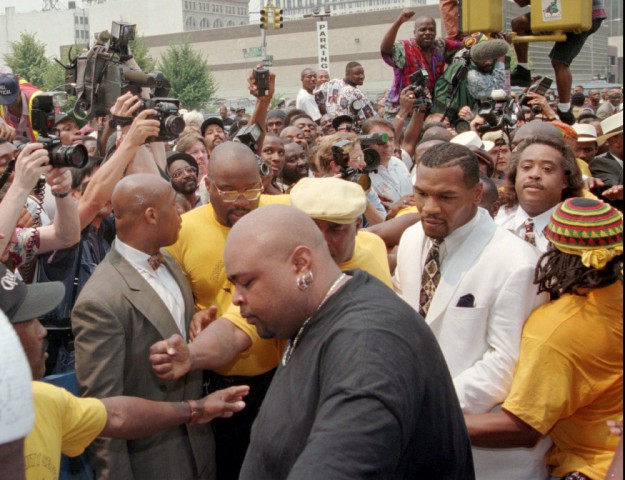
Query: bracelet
<point>194,414</point>
<point>61,195</point>
<point>400,118</point>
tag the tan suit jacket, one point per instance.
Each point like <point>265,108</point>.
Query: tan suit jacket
<point>116,319</point>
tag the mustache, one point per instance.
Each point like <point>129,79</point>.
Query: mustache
<point>533,185</point>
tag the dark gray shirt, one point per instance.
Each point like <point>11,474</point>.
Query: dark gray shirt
<point>366,394</point>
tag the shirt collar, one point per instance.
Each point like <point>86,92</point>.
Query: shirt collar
<point>454,240</point>
<point>135,257</point>
<point>540,221</point>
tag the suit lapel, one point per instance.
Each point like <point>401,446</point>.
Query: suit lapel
<point>185,287</point>
<point>143,297</point>
<point>457,265</point>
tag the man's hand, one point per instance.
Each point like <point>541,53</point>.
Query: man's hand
<point>170,358</point>
<point>126,105</point>
<point>142,127</point>
<point>403,202</point>
<point>541,100</point>
<point>466,114</point>
<point>60,180</point>
<point>7,131</point>
<point>614,193</point>
<point>31,164</point>
<point>201,320</point>
<point>592,183</point>
<point>405,15</point>
<point>406,102</point>
<point>222,403</point>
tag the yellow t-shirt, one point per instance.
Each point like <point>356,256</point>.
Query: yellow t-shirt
<point>200,252</point>
<point>63,424</point>
<point>569,378</point>
<point>370,255</point>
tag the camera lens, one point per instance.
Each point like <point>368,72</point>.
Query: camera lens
<point>462,126</point>
<point>173,125</point>
<point>75,156</point>
<point>361,179</point>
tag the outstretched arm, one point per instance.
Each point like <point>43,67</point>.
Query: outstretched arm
<point>132,417</point>
<point>386,47</point>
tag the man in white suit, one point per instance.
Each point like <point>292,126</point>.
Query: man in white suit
<point>476,295</point>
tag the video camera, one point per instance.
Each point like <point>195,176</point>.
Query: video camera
<point>99,76</point>
<point>340,155</point>
<point>418,86</point>
<point>42,119</point>
<point>499,112</point>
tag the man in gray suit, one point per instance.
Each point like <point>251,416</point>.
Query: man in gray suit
<point>136,297</point>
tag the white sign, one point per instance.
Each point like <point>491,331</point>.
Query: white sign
<point>323,46</point>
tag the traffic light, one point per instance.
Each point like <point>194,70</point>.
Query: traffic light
<point>277,18</point>
<point>264,18</point>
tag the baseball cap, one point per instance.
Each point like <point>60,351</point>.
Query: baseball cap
<point>336,122</point>
<point>9,88</point>
<point>21,302</point>
<point>211,121</point>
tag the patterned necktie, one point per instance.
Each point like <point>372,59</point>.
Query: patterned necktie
<point>530,235</point>
<point>431,277</point>
<point>156,260</point>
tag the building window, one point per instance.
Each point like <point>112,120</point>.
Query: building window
<point>190,23</point>
<point>217,24</point>
<point>77,34</point>
<point>76,20</point>
<point>230,23</point>
<point>205,24</point>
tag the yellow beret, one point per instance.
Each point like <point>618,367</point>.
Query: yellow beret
<point>330,199</point>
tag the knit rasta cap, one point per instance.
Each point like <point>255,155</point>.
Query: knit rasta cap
<point>588,228</point>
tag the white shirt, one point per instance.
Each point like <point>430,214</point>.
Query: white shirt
<point>392,181</point>
<point>161,280</point>
<point>514,221</point>
<point>16,394</point>
<point>306,101</point>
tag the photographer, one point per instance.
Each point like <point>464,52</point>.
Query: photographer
<point>16,106</point>
<point>328,167</point>
<point>472,79</point>
<point>146,157</point>
<point>20,245</point>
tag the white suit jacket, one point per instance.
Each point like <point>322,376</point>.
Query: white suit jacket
<point>480,344</point>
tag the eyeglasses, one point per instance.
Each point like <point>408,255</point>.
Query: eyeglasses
<point>181,171</point>
<point>230,196</point>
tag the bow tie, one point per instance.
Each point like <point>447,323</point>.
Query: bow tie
<point>156,260</point>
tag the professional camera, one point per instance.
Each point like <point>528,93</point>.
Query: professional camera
<point>99,76</point>
<point>172,124</point>
<point>499,112</point>
<point>42,119</point>
<point>340,155</point>
<point>372,139</point>
<point>418,86</point>
<point>261,78</point>
<point>540,87</point>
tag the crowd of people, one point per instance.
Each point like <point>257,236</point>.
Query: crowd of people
<point>423,285</point>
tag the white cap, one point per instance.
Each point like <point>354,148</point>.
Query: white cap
<point>470,138</point>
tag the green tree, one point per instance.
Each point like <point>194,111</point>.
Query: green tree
<point>141,52</point>
<point>28,58</point>
<point>191,80</point>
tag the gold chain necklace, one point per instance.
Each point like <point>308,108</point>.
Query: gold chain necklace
<point>293,343</point>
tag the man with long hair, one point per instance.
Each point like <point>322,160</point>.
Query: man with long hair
<point>569,379</point>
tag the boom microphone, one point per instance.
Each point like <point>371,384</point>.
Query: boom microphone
<point>489,50</point>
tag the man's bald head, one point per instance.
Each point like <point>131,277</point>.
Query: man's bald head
<point>146,214</point>
<point>134,193</point>
<point>233,158</point>
<point>281,277</point>
<point>533,129</point>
